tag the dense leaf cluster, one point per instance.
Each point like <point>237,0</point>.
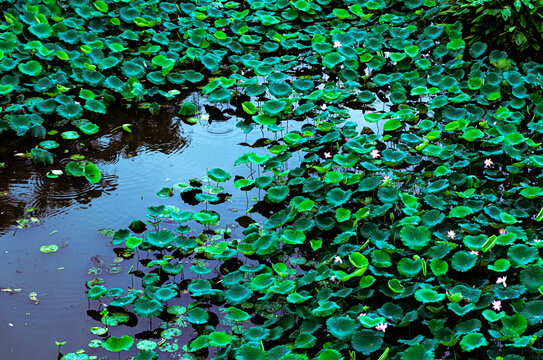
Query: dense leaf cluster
<point>416,241</point>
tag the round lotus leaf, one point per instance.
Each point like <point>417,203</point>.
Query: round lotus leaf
<point>124,301</point>
<point>238,294</point>
<point>146,307</point>
<point>236,314</point>
<point>218,175</point>
<point>220,95</point>
<point>49,144</point>
<point>417,352</point>
<point>415,237</point>
<point>273,107</point>
<point>337,197</point>
<point>332,59</point>
<point>325,308</point>
<point>96,292</point>
<point>197,316</point>
<point>131,69</point>
<point>277,194</point>
<point>71,111</point>
<point>302,85</point>
<point>473,341</point>
<point>219,339</point>
<point>165,294</point>
<point>293,237</point>
<point>114,292</point>
<point>408,267</point>
<point>146,345</point>
<point>160,239</point>
<point>477,49</point>
<point>389,194</point>
<point>341,327</point>
<point>206,217</point>
<point>521,255</point>
<point>31,68</point>
<point>255,90</point>
<point>280,89</point>
<point>256,333</point>
<point>428,296</point>
<point>348,160</point>
<point>531,192</point>
<point>432,218</point>
<point>261,282</point>
<point>367,341</point>
<point>200,270</point>
<point>329,354</point>
<point>89,128</point>
<point>296,298</point>
<point>115,344</point>
<point>171,268</point>
<point>439,267</point>
<point>463,261</point>
<point>249,352</point>
<point>460,212</point>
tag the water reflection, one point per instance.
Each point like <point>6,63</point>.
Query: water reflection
<point>25,186</point>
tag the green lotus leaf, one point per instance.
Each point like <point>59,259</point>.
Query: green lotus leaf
<point>428,296</point>
<point>255,90</point>
<point>296,298</point>
<point>236,314</point>
<point>417,352</point>
<point>219,339</point>
<point>439,267</point>
<point>96,292</point>
<point>472,341</point>
<point>408,267</point>
<point>305,341</point>
<point>31,68</point>
<point>256,333</point>
<point>521,255</point>
<point>238,294</point>
<point>412,50</point>
<point>41,30</point>
<point>160,239</point>
<point>332,59</point>
<point>293,237</point>
<point>280,89</point>
<point>396,286</point>
<point>341,327</point>
<point>92,173</point>
<point>218,175</point>
<point>249,352</point>
<point>147,307</point>
<point>337,197</point>
<point>492,316</point>
<point>115,344</point>
<point>329,354</point>
<point>70,111</point>
<point>460,212</point>
<point>531,192</point>
<point>165,294</point>
<point>477,49</point>
<point>303,85</point>
<point>367,341</point>
<point>273,107</point>
<point>49,144</point>
<point>146,345</point>
<point>277,194</point>
<point>463,261</point>
<point>348,160</point>
<point>389,194</point>
<point>197,316</point>
<point>415,237</point>
<point>206,217</point>
<point>199,343</point>
<point>325,308</point>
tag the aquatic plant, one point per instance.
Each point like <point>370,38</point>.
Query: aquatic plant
<point>384,243</point>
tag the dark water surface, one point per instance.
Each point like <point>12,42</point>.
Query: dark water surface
<point>160,152</point>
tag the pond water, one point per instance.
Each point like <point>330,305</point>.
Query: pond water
<point>42,297</point>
